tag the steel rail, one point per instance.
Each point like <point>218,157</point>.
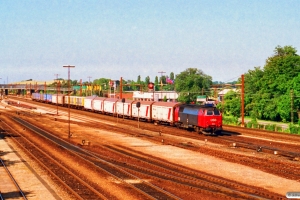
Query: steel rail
<point>53,173</point>
<point>13,180</point>
<point>72,148</point>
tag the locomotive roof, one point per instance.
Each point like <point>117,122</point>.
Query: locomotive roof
<point>195,106</point>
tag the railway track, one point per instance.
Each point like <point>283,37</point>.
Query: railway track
<point>282,147</point>
<point>87,192</point>
<point>274,166</point>
<point>176,175</point>
<point>10,182</point>
<point>77,187</point>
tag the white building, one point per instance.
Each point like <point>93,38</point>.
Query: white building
<point>155,96</point>
<point>222,93</point>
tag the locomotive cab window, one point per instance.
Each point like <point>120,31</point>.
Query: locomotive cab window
<point>209,112</point>
<point>217,112</point>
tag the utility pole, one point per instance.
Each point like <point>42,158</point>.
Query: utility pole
<point>69,66</point>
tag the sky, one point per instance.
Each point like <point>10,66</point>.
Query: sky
<point>122,38</point>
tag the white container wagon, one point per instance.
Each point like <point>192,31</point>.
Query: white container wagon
<point>88,103</point>
<point>124,108</point>
<point>97,104</point>
<point>144,111</point>
<point>110,106</point>
<point>163,112</point>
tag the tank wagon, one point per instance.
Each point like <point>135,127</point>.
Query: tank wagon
<point>205,119</point>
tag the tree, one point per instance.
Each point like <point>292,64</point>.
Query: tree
<point>268,91</point>
<point>147,80</point>
<point>172,76</point>
<point>189,84</point>
<point>156,87</point>
<point>232,104</point>
<point>138,79</point>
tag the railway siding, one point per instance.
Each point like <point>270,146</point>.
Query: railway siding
<point>31,184</point>
<point>199,161</point>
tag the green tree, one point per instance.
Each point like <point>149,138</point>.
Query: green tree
<point>189,84</point>
<point>156,87</point>
<point>267,91</point>
<point>232,104</point>
<point>147,80</point>
<point>138,79</point>
<point>172,76</point>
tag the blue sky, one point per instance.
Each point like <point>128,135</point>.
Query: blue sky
<point>113,39</point>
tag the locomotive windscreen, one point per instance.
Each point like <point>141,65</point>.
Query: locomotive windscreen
<point>213,111</point>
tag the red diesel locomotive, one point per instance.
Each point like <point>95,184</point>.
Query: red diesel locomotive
<point>205,119</point>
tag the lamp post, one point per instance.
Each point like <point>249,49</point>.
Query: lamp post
<point>69,66</point>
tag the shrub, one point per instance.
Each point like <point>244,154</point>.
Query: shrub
<point>230,120</point>
<point>270,127</point>
<point>252,124</point>
<point>294,129</point>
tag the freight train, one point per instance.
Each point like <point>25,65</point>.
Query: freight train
<point>206,119</point>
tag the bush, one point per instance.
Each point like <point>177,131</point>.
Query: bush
<point>279,129</point>
<point>294,129</point>
<point>252,124</point>
<point>270,127</point>
<point>230,120</point>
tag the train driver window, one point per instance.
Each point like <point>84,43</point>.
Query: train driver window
<point>216,112</point>
<point>209,112</point>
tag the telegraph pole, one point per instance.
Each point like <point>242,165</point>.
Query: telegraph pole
<point>69,66</point>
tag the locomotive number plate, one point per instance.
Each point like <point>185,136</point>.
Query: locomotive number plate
<point>213,120</point>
